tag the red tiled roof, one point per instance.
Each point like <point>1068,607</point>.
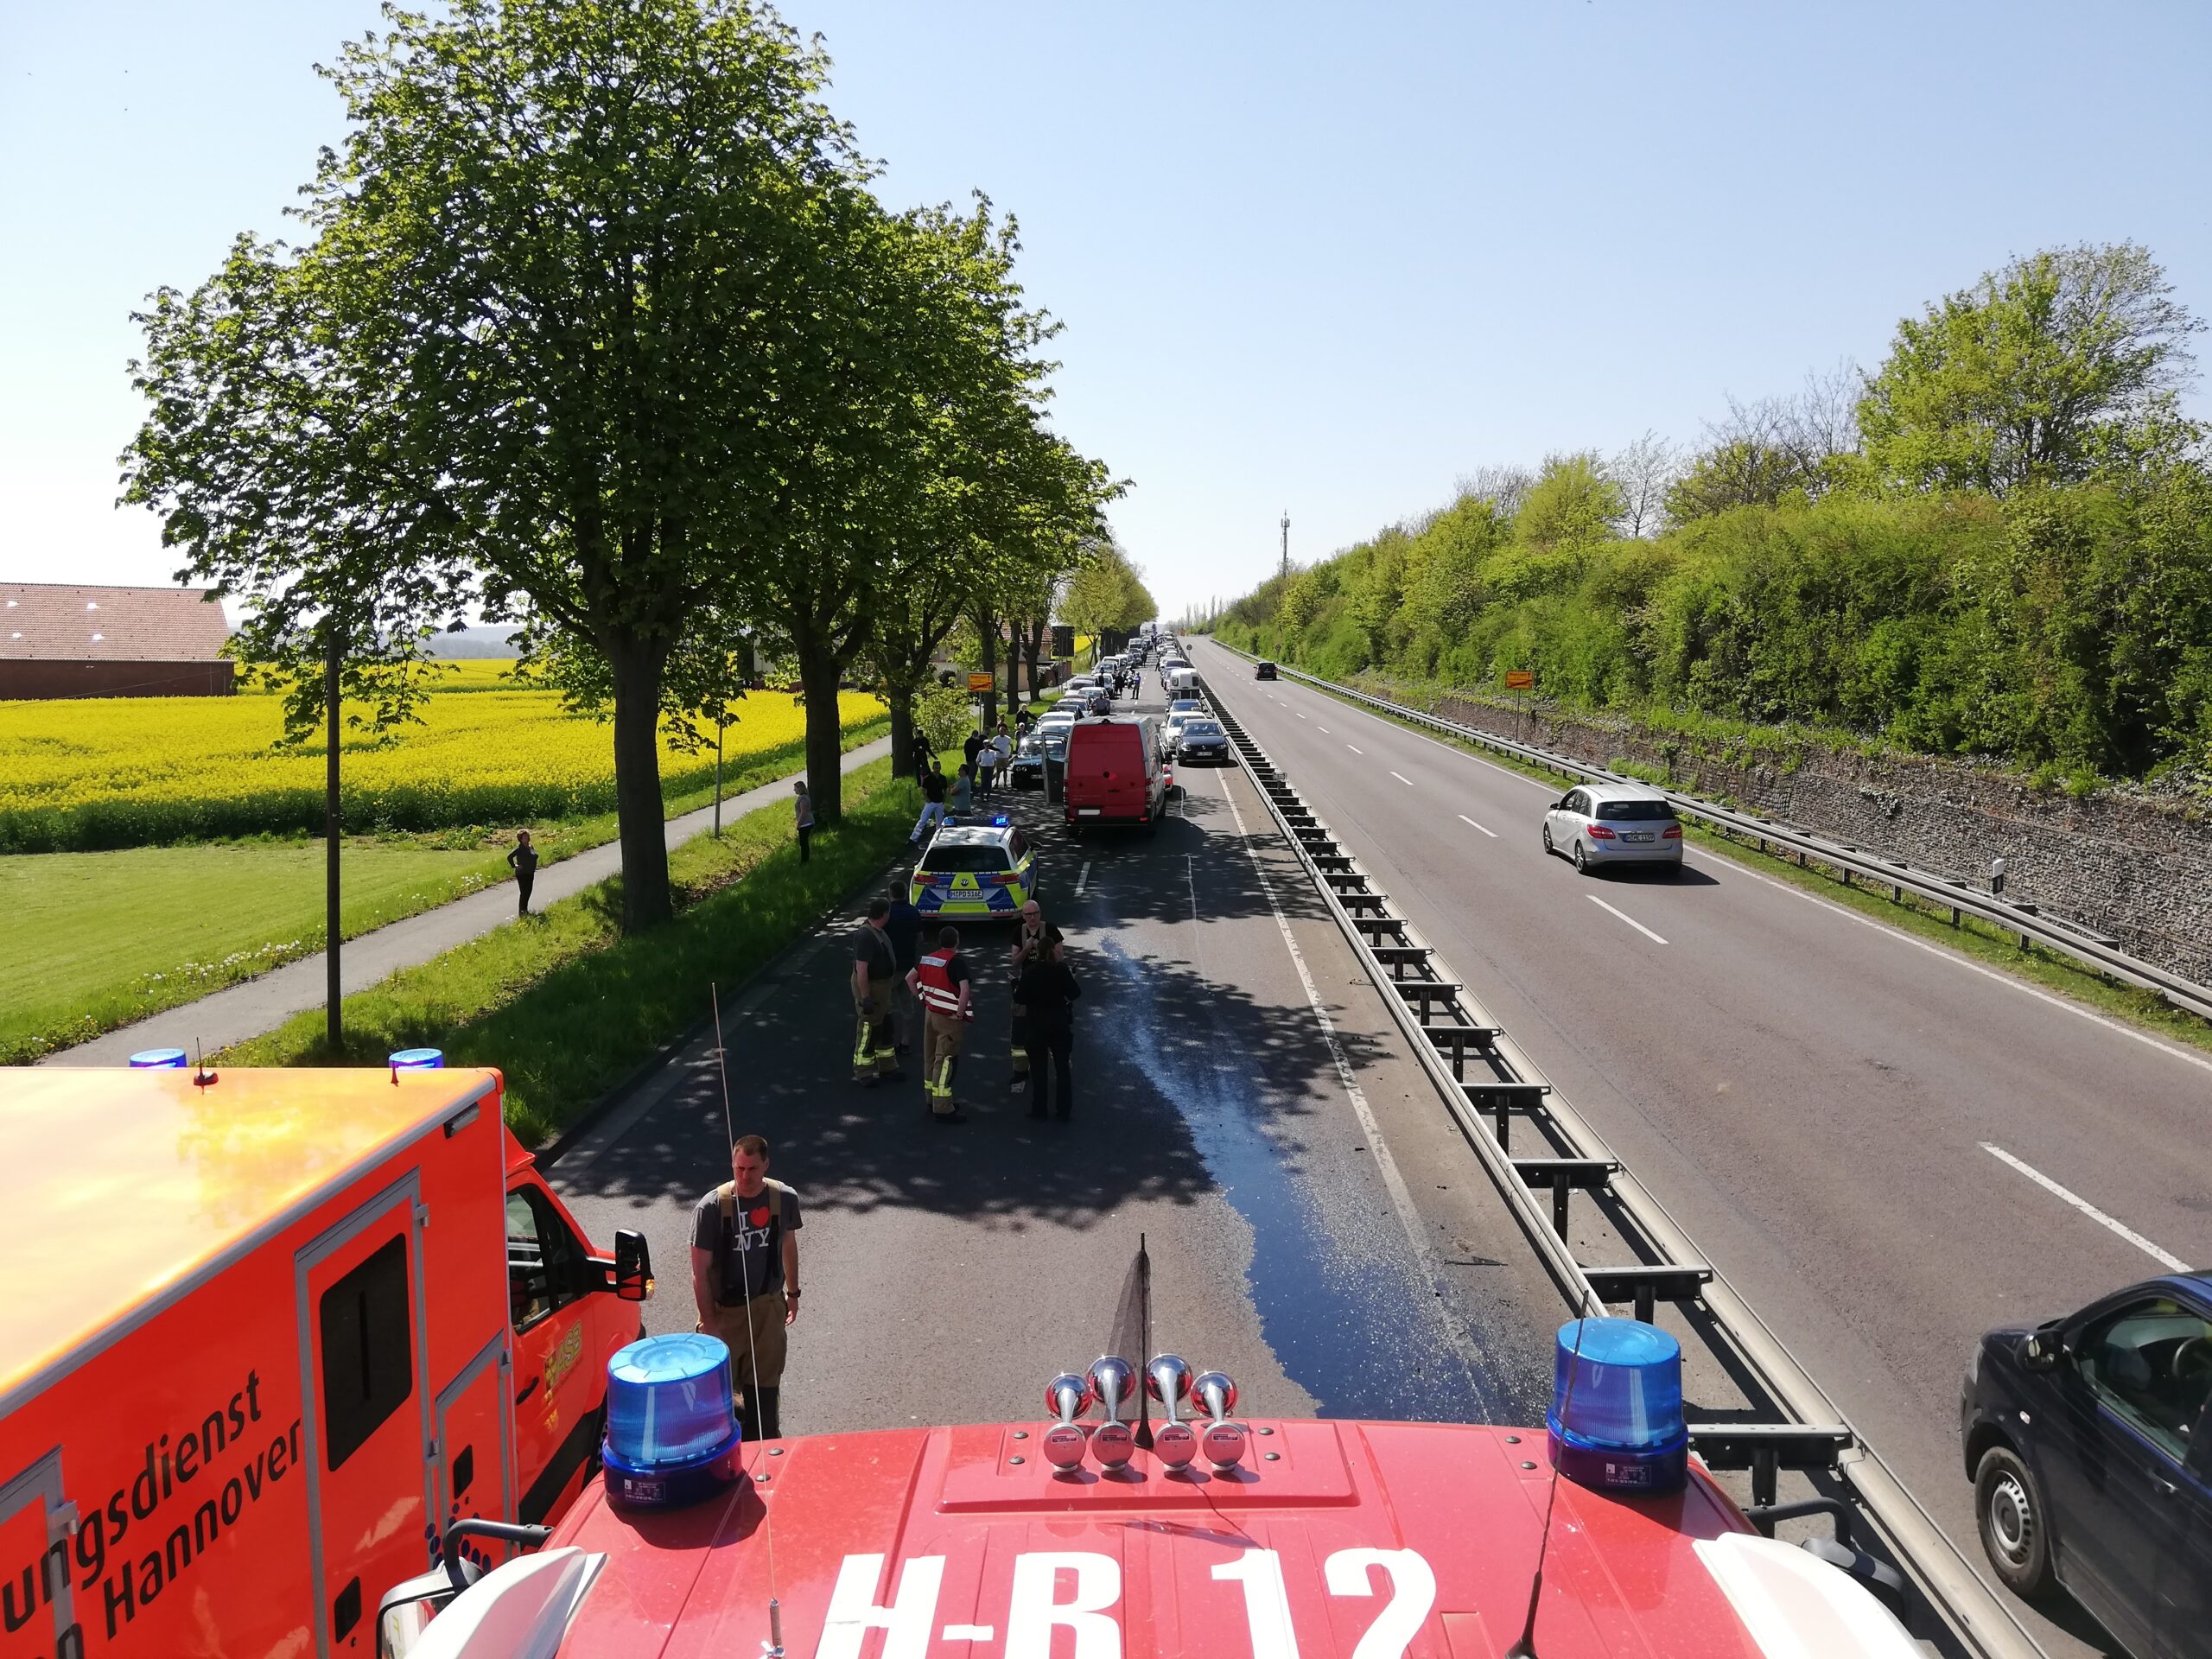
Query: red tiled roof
<point>43,621</point>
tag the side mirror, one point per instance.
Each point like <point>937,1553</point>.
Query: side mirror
<point>1559,805</point>
<point>633,1266</point>
<point>2041,1351</point>
<point>407,1610</point>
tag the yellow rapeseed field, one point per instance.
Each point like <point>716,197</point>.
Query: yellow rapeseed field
<point>130,771</point>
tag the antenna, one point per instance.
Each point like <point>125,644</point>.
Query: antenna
<point>1144,1341</point>
<point>1525,1646</point>
<point>773,1647</point>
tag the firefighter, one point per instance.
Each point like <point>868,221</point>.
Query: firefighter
<point>875,968</point>
<point>940,980</point>
<point>745,1280</point>
<point>1033,934</point>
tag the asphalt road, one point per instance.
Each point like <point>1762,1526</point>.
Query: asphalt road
<point>1838,1113</point>
<point>1314,1228</point>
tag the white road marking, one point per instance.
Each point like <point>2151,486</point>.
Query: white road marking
<point>1301,713</point>
<point>1083,879</point>
<point>1944,953</point>
<point>1403,778</point>
<point>1401,1200</point>
<point>1472,824</point>
<point>1322,729</point>
<point>2173,1263</point>
<point>1625,917</point>
<point>1355,748</point>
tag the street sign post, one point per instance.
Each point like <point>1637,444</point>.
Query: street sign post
<point>1523,680</point>
<point>979,681</point>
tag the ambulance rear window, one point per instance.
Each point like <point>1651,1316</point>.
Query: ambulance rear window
<point>969,859</point>
<point>368,1354</point>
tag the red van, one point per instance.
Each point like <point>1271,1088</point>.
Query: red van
<point>1117,772</point>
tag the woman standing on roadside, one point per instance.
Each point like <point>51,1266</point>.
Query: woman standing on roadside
<point>803,806</point>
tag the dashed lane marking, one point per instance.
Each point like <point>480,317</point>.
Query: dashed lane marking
<point>1082,879</point>
<point>1355,749</point>
<point>2173,1263</point>
<point>1625,917</point>
<point>1472,824</point>
<point>1403,778</point>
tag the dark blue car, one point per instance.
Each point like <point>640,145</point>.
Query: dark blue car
<point>2090,1442</point>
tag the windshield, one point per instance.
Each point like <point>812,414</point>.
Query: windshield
<point>1200,729</point>
<point>963,858</point>
<point>1636,811</point>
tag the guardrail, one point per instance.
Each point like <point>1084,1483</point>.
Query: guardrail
<point>1485,1080</point>
<point>2084,945</point>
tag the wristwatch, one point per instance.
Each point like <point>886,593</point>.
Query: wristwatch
<point>794,1294</point>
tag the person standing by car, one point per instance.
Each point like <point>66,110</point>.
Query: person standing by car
<point>876,1054</point>
<point>961,798</point>
<point>745,1280</point>
<point>987,767</point>
<point>1031,937</point>
<point>933,788</point>
<point>903,927</point>
<point>523,860</point>
<point>1045,991</point>
<point>941,981</point>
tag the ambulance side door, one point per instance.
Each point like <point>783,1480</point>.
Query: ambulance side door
<point>368,1445</point>
<point>549,1283</point>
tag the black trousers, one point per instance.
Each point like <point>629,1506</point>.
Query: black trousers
<point>759,1413</point>
<point>805,834</point>
<point>524,880</point>
<point>1054,1047</point>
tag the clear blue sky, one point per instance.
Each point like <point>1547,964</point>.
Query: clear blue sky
<point>1310,256</point>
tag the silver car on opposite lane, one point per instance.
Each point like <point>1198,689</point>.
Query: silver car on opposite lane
<point>1599,825</point>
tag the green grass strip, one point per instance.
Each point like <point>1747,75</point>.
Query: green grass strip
<point>566,1007</point>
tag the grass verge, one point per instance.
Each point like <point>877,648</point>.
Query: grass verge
<point>102,939</point>
<point>566,1007</point>
<point>1907,913</point>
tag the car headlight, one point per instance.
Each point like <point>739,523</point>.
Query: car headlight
<point>1974,1369</point>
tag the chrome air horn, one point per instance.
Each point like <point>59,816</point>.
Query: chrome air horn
<point>1223,1442</point>
<point>1167,1380</point>
<point>1067,1396</point>
<point>1113,1381</point>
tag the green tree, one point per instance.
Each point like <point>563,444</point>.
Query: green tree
<point>2063,362</point>
<point>566,339</point>
<point>1573,503</point>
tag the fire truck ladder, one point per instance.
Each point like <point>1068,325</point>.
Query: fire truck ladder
<point>1486,1082</point>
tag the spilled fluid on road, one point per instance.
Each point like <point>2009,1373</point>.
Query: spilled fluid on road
<point>1349,1312</point>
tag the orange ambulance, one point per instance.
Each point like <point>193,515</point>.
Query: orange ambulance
<point>262,1337</point>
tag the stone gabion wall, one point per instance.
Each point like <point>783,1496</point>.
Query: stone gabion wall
<point>2139,870</point>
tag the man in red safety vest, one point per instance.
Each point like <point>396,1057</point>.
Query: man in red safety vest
<point>940,980</point>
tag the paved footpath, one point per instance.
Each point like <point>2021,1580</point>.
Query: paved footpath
<point>255,1006</point>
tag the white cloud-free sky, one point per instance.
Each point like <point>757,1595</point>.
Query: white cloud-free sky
<point>1313,257</point>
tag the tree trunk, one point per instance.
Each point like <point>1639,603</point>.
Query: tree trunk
<point>1032,649</point>
<point>905,758</point>
<point>825,732</point>
<point>986,635</point>
<point>646,899</point>
<point>1014,699</point>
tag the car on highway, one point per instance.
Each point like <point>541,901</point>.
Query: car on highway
<point>1599,825</point>
<point>1116,772</point>
<point>1201,738</point>
<point>1028,770</point>
<point>1171,730</point>
<point>2088,1439</point>
<point>1187,705</point>
<point>979,871</point>
<point>1263,670</point>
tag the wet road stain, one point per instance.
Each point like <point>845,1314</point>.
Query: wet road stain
<point>1350,1314</point>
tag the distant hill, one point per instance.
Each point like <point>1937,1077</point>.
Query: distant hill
<point>475,642</point>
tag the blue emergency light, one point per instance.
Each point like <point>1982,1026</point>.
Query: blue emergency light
<point>1616,1418</point>
<point>418,1060</point>
<point>672,1435</point>
<point>161,1059</point>
<point>1000,822</point>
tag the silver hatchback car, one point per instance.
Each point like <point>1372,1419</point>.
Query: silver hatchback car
<point>1601,824</point>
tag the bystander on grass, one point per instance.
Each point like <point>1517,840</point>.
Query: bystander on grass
<point>566,1007</point>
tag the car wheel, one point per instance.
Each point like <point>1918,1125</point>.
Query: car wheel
<point>1549,848</point>
<point>1581,864</point>
<point>2009,1512</point>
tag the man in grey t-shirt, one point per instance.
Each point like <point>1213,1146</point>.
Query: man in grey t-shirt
<point>745,1280</point>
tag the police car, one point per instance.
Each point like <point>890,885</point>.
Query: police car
<point>982,870</point>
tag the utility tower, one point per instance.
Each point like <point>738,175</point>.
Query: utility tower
<point>1285,540</point>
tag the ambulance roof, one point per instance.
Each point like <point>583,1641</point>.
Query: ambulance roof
<point>122,1187</point>
<point>1360,1538</point>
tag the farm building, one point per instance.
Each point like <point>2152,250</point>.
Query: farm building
<point>62,641</point>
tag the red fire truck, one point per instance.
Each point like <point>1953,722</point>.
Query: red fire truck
<point>265,1336</point>
<point>1068,1536</point>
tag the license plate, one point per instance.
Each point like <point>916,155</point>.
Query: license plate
<point>1635,837</point>
<point>1089,812</point>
